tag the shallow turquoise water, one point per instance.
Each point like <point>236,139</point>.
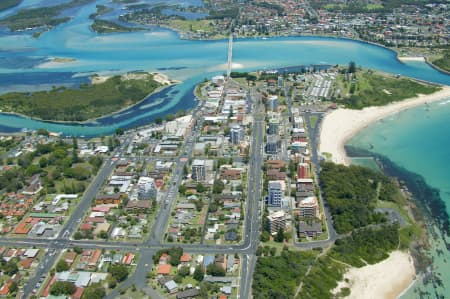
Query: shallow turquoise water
<point>162,50</point>
<point>418,140</point>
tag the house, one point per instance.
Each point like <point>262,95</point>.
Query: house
<point>275,164</point>
<point>32,253</point>
<point>185,258</point>
<point>231,236</point>
<point>226,290</point>
<point>26,263</point>
<point>230,174</point>
<point>78,293</point>
<point>34,186</point>
<point>164,269</point>
<point>108,199</point>
<point>190,293</point>
<point>4,290</point>
<point>312,229</point>
<point>275,175</point>
<point>164,259</point>
<point>171,287</point>
<point>128,258</point>
<point>138,205</point>
<point>95,256</point>
<point>69,257</point>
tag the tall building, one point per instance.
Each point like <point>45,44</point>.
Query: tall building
<point>146,188</point>
<point>309,207</point>
<point>275,221</point>
<point>275,194</point>
<point>280,81</point>
<point>303,171</point>
<point>273,144</point>
<point>274,124</point>
<point>202,170</point>
<point>272,103</point>
<point>199,170</point>
<point>236,134</point>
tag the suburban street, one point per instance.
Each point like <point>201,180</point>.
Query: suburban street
<point>155,241</point>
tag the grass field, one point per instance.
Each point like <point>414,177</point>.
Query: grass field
<point>444,61</point>
<point>192,25</point>
<point>375,89</point>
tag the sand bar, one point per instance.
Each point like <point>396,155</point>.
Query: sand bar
<point>411,58</point>
<point>340,125</point>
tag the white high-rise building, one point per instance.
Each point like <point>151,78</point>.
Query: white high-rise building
<point>146,188</point>
<point>236,134</point>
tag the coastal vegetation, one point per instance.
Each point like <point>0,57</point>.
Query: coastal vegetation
<point>101,10</point>
<point>444,61</point>
<point>7,4</point>
<point>103,26</point>
<point>40,17</point>
<point>360,89</point>
<point>318,274</point>
<point>83,103</point>
<point>365,237</point>
<point>352,192</point>
<point>277,277</point>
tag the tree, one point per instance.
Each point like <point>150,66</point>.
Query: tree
<point>10,268</point>
<point>42,132</point>
<point>62,266</point>
<point>215,270</point>
<point>78,250</point>
<point>13,288</point>
<point>158,120</point>
<point>94,291</point>
<point>265,236</point>
<point>198,273</point>
<point>279,237</point>
<point>119,131</point>
<point>103,234</point>
<point>62,288</point>
<point>218,186</point>
<point>119,272</point>
<point>184,271</point>
<point>200,188</point>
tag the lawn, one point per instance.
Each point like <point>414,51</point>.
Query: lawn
<point>314,119</point>
<point>192,25</point>
<point>376,89</point>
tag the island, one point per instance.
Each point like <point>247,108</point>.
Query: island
<point>103,26</point>
<point>41,17</point>
<point>7,4</point>
<point>89,101</point>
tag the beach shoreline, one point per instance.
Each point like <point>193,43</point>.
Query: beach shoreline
<point>340,125</point>
<point>387,279</point>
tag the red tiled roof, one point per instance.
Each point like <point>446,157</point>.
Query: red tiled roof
<point>185,258</point>
<point>164,269</point>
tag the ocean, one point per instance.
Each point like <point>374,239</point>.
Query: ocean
<point>415,146</point>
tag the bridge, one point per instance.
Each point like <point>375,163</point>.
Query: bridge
<point>230,55</point>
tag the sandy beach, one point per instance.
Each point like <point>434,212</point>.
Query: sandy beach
<point>340,125</point>
<point>386,279</point>
<point>411,58</point>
